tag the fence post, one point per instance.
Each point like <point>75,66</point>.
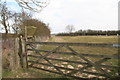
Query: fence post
<point>17,59</point>
<point>12,55</point>
<point>22,52</point>
<point>0,56</point>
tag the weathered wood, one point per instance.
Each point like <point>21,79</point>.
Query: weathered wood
<point>100,67</point>
<point>54,50</point>
<point>0,56</point>
<point>22,52</point>
<point>99,74</point>
<point>70,53</point>
<point>57,72</point>
<point>90,62</point>
<point>17,59</point>
<point>73,44</point>
<point>76,62</point>
<point>88,66</point>
<point>12,58</point>
<point>10,46</point>
<point>50,62</point>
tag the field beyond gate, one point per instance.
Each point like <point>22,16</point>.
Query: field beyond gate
<point>66,59</point>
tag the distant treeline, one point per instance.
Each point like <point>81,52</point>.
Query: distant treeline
<point>90,32</point>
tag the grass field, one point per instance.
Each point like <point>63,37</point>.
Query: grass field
<point>89,39</point>
<point>86,50</point>
<point>85,39</point>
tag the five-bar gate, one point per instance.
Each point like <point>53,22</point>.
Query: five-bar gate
<point>70,62</point>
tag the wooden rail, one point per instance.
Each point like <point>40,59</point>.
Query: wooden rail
<point>115,56</point>
<point>76,62</point>
<point>74,44</point>
<point>86,63</point>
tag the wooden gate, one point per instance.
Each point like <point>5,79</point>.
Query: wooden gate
<point>70,62</point>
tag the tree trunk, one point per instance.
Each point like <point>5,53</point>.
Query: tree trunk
<point>5,25</point>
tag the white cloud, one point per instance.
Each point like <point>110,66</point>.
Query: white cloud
<point>84,14</point>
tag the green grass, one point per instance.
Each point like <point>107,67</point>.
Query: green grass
<point>88,39</point>
<point>91,39</point>
<point>29,73</point>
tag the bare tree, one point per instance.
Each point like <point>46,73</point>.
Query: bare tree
<point>5,15</point>
<point>33,5</point>
<point>18,19</point>
<point>70,28</point>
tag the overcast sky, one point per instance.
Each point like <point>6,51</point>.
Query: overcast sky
<point>83,14</point>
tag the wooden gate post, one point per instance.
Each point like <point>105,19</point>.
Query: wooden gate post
<point>0,56</point>
<point>22,52</point>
